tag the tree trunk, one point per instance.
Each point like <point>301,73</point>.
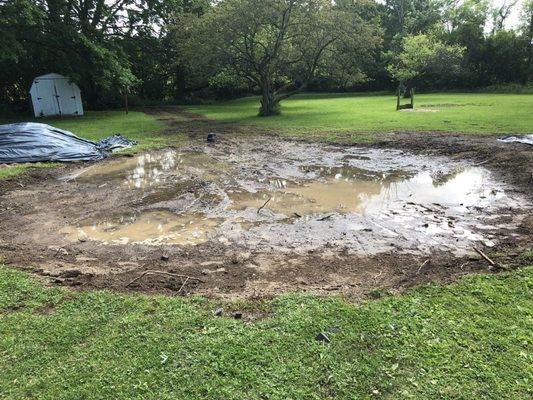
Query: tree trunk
<point>269,102</point>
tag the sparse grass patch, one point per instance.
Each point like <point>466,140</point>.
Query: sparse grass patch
<point>527,256</point>
<point>14,170</point>
<point>468,340</point>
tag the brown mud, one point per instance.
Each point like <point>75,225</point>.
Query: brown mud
<point>253,215</point>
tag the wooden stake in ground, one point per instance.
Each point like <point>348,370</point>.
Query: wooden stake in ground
<point>492,263</point>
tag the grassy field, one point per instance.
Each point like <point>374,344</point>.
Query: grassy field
<point>342,115</point>
<point>468,340</point>
<point>14,170</point>
<point>96,125</point>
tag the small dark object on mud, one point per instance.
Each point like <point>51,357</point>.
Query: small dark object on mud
<point>237,315</point>
<point>211,137</point>
<point>322,337</point>
<point>71,273</point>
<point>218,312</point>
<point>57,281</point>
<point>334,329</point>
<point>165,257</point>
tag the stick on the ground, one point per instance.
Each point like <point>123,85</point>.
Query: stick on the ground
<point>326,217</point>
<point>263,206</point>
<point>156,272</point>
<point>420,268</point>
<point>485,257</point>
<point>183,284</point>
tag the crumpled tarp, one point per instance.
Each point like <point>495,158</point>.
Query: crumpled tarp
<point>526,139</point>
<point>33,142</point>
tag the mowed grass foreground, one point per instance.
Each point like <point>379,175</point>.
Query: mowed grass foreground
<point>354,117</point>
<point>468,340</point>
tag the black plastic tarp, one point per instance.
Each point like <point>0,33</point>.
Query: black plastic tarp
<point>526,139</point>
<point>33,142</point>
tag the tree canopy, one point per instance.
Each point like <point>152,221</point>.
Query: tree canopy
<point>191,50</point>
<point>424,54</point>
<point>281,45</point>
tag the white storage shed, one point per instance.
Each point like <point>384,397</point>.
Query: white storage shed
<point>54,94</point>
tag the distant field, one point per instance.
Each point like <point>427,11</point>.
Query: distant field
<point>345,118</point>
<point>318,114</point>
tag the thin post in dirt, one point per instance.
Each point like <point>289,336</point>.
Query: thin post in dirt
<point>412,97</point>
<point>398,98</point>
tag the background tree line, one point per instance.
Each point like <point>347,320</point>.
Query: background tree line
<point>190,50</point>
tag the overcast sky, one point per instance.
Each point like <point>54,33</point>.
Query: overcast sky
<point>514,18</point>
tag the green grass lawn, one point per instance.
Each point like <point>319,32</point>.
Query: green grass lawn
<point>344,115</point>
<point>469,340</point>
<point>96,125</point>
<point>14,170</point>
<point>343,118</point>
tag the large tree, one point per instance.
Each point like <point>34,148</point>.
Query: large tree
<point>423,55</point>
<point>281,45</point>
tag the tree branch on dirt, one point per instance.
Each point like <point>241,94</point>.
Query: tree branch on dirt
<point>157,272</point>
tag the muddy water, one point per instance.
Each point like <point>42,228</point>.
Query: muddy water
<point>150,169</point>
<point>351,193</point>
<point>295,196</point>
<point>154,228</point>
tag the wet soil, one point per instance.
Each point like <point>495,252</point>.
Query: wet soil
<point>355,220</point>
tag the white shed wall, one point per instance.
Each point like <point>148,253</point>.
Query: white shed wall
<point>53,94</point>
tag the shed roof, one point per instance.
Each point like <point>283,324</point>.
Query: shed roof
<point>51,76</point>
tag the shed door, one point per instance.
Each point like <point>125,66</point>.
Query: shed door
<point>45,91</point>
<point>66,97</point>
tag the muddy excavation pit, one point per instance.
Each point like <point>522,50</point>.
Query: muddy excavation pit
<point>258,216</point>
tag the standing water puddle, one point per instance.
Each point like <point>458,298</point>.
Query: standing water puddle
<point>348,192</point>
<point>156,227</point>
<point>294,195</point>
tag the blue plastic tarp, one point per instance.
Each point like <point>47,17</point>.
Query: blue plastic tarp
<point>525,139</point>
<point>33,142</point>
